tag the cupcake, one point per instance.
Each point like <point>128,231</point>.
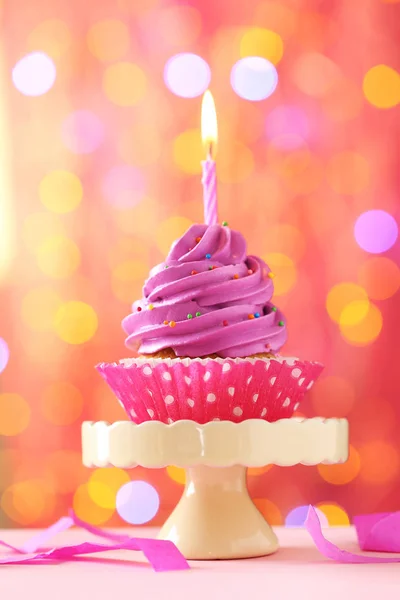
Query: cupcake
<point>207,338</point>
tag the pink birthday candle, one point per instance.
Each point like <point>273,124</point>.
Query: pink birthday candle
<point>209,132</point>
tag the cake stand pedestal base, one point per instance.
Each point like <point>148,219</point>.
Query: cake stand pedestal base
<point>216,518</point>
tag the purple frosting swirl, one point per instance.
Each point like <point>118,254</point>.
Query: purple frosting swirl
<point>208,297</point>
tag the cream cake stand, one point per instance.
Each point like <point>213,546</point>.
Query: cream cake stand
<point>216,518</point>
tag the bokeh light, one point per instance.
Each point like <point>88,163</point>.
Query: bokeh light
<point>170,230</point>
<point>362,331</point>
<point>51,36</point>
<point>289,124</point>
<point>354,312</point>
<point>343,294</point>
<point>258,41</point>
<point>15,414</point>
<point>39,307</point>
<point>254,78</point>
<point>342,474</point>
<point>40,225</point>
<point>235,164</point>
<point>285,239</point>
<point>34,74</point>
<point>123,186</point>
<point>108,40</point>
<point>137,502</point>
<point>127,279</point>
<point>380,277</point>
<point>61,191</point>
<point>82,132</point>
<point>381,86</point>
<point>188,151</point>
<point>256,471</point>
<point>177,474</point>
<point>104,484</point>
<point>333,396</point>
<point>126,249</point>
<point>124,84</point>
<point>61,403</point>
<point>380,462</point>
<point>75,322</point>
<point>4,354</point>
<point>58,257</point>
<point>375,231</point>
<point>285,272</point>
<point>269,510</point>
<point>86,509</point>
<point>315,74</point>
<point>348,173</point>
<point>27,502</point>
<point>187,75</point>
<point>335,514</point>
<point>297,516</point>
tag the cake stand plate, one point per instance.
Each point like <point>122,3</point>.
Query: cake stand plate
<point>216,518</point>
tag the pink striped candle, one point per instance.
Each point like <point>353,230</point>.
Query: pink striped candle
<point>209,133</point>
<point>209,181</point>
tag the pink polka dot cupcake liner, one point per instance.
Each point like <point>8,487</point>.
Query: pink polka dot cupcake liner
<point>209,389</point>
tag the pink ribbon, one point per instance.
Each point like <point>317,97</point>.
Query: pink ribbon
<point>163,555</point>
<point>375,532</point>
<point>331,551</point>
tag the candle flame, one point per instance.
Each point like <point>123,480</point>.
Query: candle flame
<point>209,127</point>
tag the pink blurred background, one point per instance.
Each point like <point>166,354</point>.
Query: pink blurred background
<point>100,156</point>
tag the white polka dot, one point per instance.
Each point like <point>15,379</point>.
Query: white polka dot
<point>301,381</point>
<point>211,397</point>
<point>279,394</point>
<point>286,402</point>
<point>169,399</point>
<point>296,406</point>
<point>167,376</point>
<point>207,376</point>
<point>150,412</point>
<point>272,380</point>
<point>190,402</point>
<point>147,370</point>
<point>296,372</point>
<point>150,392</point>
<point>263,412</point>
<point>132,413</point>
<point>310,384</point>
<point>231,391</point>
<point>188,380</point>
<point>237,411</point>
<point>267,365</point>
<point>290,361</point>
<point>226,367</point>
<point>255,397</point>
<point>170,420</point>
<point>216,419</point>
<point>249,379</point>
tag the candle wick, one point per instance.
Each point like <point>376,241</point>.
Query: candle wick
<point>210,148</point>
